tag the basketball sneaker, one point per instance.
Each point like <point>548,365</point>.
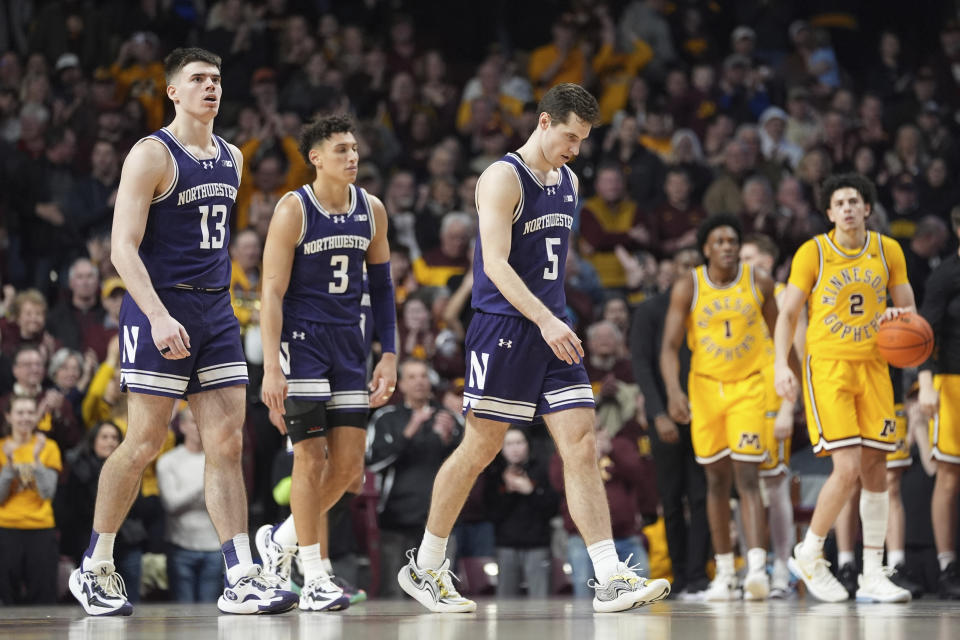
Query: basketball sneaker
<point>433,588</point>
<point>723,588</point>
<point>355,594</point>
<point>323,594</point>
<point>256,592</point>
<point>949,582</point>
<point>277,558</point>
<point>756,586</point>
<point>875,586</point>
<point>815,573</point>
<point>100,590</point>
<point>780,581</point>
<point>902,576</point>
<point>626,590</point>
<point>849,577</point>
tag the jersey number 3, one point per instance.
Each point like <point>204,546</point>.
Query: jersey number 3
<point>219,215</point>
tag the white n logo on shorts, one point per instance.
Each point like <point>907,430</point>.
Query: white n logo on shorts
<point>478,372</point>
<point>130,336</point>
<point>285,358</point>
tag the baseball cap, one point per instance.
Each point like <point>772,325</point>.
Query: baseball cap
<point>743,31</point>
<point>66,61</point>
<point>798,93</point>
<point>110,286</point>
<point>796,27</point>
<point>736,60</point>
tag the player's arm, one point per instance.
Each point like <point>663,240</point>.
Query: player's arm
<point>898,286</point>
<point>785,380</point>
<point>681,298</point>
<point>282,238</point>
<point>147,167</point>
<point>498,193</point>
<point>934,311</point>
<point>783,425</point>
<point>383,306</point>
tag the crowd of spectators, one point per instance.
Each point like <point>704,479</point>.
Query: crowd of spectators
<point>743,109</point>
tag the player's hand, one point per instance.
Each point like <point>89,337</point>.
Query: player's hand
<point>562,340</point>
<point>892,313</point>
<point>170,337</point>
<point>384,381</point>
<point>929,402</point>
<point>667,429</point>
<point>273,390</point>
<point>785,383</point>
<point>783,425</point>
<point>678,406</point>
<point>276,419</point>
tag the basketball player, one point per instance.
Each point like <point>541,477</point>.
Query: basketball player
<point>940,400</point>
<point>723,305</point>
<point>179,335</point>
<point>760,252</point>
<point>844,277</point>
<point>524,359</point>
<point>314,347</point>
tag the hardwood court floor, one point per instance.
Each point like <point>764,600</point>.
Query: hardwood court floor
<point>554,619</point>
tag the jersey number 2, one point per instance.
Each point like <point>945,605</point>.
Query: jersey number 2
<point>219,226</point>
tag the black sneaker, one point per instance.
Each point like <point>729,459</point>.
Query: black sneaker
<point>906,579</point>
<point>849,578</point>
<point>950,582</point>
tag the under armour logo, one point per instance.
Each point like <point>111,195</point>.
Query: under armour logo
<point>208,164</point>
<point>339,219</point>
<point>299,335</point>
<point>505,343</point>
<point>551,191</point>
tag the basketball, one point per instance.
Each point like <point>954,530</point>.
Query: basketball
<point>906,341</point>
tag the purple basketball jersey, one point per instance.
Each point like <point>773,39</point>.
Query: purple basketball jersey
<point>538,243</point>
<point>187,236</point>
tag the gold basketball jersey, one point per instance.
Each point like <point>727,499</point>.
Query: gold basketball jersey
<point>849,293</point>
<point>725,327</point>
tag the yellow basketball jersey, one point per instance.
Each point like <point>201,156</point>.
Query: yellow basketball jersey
<point>847,293</point>
<point>725,327</point>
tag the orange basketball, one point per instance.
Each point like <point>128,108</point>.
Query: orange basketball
<point>906,341</point>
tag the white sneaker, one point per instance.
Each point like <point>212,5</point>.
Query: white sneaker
<point>323,595</point>
<point>815,573</point>
<point>876,586</point>
<point>256,592</point>
<point>723,589</point>
<point>626,590</point>
<point>100,591</point>
<point>780,581</point>
<point>756,586</point>
<point>277,558</point>
<point>433,588</point>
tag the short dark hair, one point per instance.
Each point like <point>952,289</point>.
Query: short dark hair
<point>566,97</point>
<point>713,222</point>
<point>862,185</point>
<point>182,56</point>
<point>764,244</point>
<point>321,129</point>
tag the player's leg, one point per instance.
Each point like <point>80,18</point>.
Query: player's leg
<point>846,529</point>
<point>618,587</point>
<point>943,509</point>
<point>747,479</point>
<point>426,576</point>
<point>896,541</point>
<point>95,584</point>
<point>780,525</point>
<point>220,414</point>
<point>719,483</point>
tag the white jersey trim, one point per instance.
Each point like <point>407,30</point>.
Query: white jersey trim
<point>176,169</point>
<point>313,199</point>
<point>190,155</point>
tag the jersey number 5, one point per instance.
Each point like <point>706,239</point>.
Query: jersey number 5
<point>219,212</point>
<point>553,269</point>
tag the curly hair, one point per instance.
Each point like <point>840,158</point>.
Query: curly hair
<point>713,222</point>
<point>321,129</point>
<point>862,185</point>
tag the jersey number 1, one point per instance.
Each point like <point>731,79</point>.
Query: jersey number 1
<point>219,226</point>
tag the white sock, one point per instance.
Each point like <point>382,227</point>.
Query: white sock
<point>432,552</point>
<point>945,559</point>
<point>328,566</point>
<point>725,564</point>
<point>782,534</point>
<point>605,560</point>
<point>241,547</point>
<point>874,509</point>
<point>812,545</point>
<point>102,551</point>
<point>757,559</point>
<point>844,558</point>
<point>895,557</point>
<point>285,534</point>
<point>312,563</point>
